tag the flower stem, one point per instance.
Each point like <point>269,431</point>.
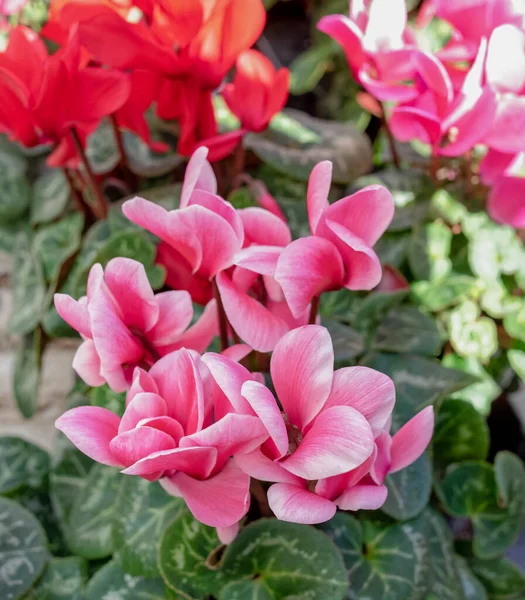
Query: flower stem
<point>314,308</point>
<point>100,209</point>
<point>390,136</point>
<point>260,496</point>
<point>77,198</point>
<point>434,168</point>
<point>223,321</point>
<point>119,141</point>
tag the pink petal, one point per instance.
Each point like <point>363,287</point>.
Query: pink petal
<point>493,165</point>
<point>302,367</point>
<point>259,259</point>
<point>166,424</point>
<point>383,461</point>
<point>363,269</point>
<point>142,381</point>
<point>196,462</point>
<point>434,74</point>
<point>505,66</point>
<point>368,391</point>
<point>131,446</point>
<point>387,20</point>
<point>200,335</point>
<point>226,535</point>
<point>237,352</point>
<point>506,133</point>
<point>264,228</point>
<point>180,384</point>
<point>348,35</point>
<point>385,92</point>
<point>143,406</point>
<point>199,175</point>
<point>220,501</point>
<point>175,311</point>
<point>408,123</point>
<point>506,202</point>
<point>333,487</point>
<point>265,407</point>
<point>297,505</point>
<point>308,267</point>
<point>129,285</point>
<point>74,314</point>
<point>252,321</point>
<point>148,215</point>
<point>409,443</point>
<point>91,429</point>
<point>363,497</point>
<point>229,376</point>
<point>86,364</point>
<point>222,208</point>
<point>261,467</point>
<point>318,189</point>
<point>367,213</point>
<point>338,441</point>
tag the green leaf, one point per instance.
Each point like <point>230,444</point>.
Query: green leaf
<point>470,334</point>
<point>21,464</point>
<point>112,583</point>
<point>514,323</point>
<point>406,329</point>
<point>448,207</point>
<point>472,587</point>
<point>460,433</point>
<point>63,579</point>
<point>26,375</point>
<point>494,250</point>
<point>409,215</point>
<point>438,295</point>
<point>374,307</point>
<point>29,288</point>
<point>497,301</point>
<point>447,581</point>
<point>347,342</point>
<point>494,533</point>
<point>409,490</point>
<point>469,489</point>
<point>479,394</point>
<point>9,233</point>
<point>386,562</point>
<point>308,68</point>
<point>15,198</point>
<point>183,555</point>
<point>392,248</point>
<point>144,162</point>
<point>57,242</point>
<point>295,142</point>
<point>517,362</point>
<point>275,559</point>
<point>502,579</point>
<point>101,150</point>
<point>105,397</point>
<point>94,513</point>
<point>50,197</point>
<point>429,251</point>
<point>23,550</point>
<point>145,510</point>
<point>419,381</point>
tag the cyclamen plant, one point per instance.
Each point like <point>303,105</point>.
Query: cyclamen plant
<point>204,425</point>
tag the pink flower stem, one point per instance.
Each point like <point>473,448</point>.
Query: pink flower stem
<point>119,141</point>
<point>100,210</point>
<point>314,308</point>
<point>223,321</point>
<point>390,137</point>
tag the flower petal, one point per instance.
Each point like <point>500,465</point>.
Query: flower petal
<point>86,364</point>
<point>175,311</point>
<point>143,406</point>
<point>506,202</point>
<point>317,195</point>
<point>259,466</point>
<point>259,259</point>
<point>220,501</point>
<point>229,376</point>
<point>409,443</point>
<point>132,445</point>
<point>297,505</point>
<point>338,441</point>
<point>363,497</point>
<point>91,429</point>
<point>262,227</point>
<point>74,313</point>
<point>226,535</point>
<point>302,368</point>
<point>199,175</point>
<point>195,462</point>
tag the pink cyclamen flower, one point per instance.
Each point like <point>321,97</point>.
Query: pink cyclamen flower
<point>204,233</point>
<point>377,46</point>
<point>339,252</point>
<point>327,448</point>
<point>506,201</point>
<point>124,324</point>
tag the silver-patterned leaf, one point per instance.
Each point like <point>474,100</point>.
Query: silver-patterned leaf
<point>21,464</point>
<point>112,583</point>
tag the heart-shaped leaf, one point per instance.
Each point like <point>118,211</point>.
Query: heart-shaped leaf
<point>26,375</point>
<point>112,583</point>
<point>63,579</point>
<point>21,464</point>
<point>50,197</point>
<point>502,579</point>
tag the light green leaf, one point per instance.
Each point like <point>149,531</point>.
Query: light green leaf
<point>470,334</point>
<point>144,162</point>
<point>145,511</point>
<point>406,329</point>
<point>514,323</point>
<point>429,251</point>
<point>448,207</point>
<point>495,532</point>
<point>460,433</point>
<point>112,583</point>
<point>469,489</point>
<point>21,464</point>
<point>101,150</point>
<point>502,579</point>
<point>274,559</point>
<point>183,557</point>
<point>26,375</point>
<point>94,513</point>
<point>517,362</point>
<point>409,490</point>
<point>50,197</point>
<point>63,579</point>
<point>497,302</point>
<point>438,295</point>
<point>106,398</point>
<point>23,550</point>
<point>308,68</point>
<point>386,562</point>
<point>29,289</point>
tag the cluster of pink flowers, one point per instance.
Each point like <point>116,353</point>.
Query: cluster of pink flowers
<point>469,93</point>
<point>203,424</point>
